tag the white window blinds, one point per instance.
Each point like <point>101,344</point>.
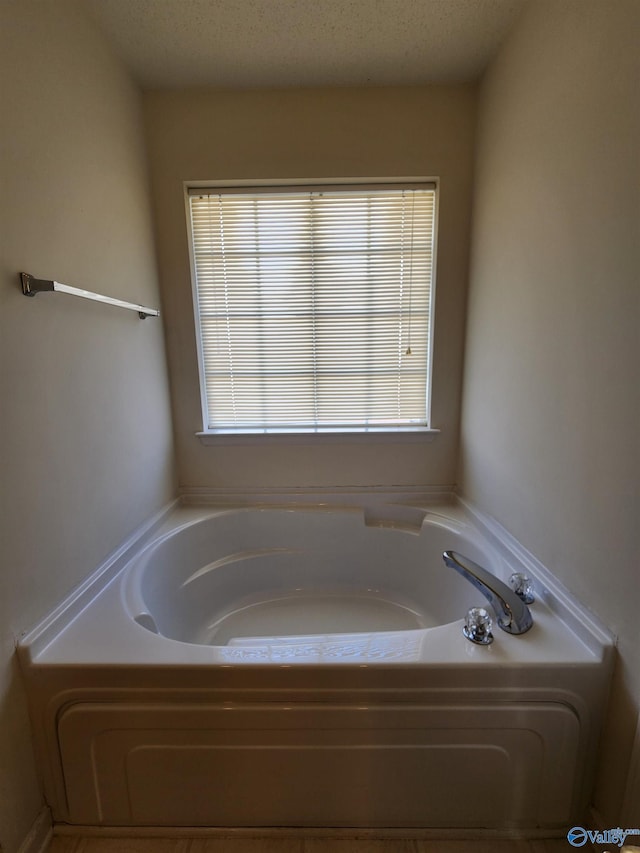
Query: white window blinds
<point>314,306</point>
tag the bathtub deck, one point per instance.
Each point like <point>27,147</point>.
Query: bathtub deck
<point>85,844</point>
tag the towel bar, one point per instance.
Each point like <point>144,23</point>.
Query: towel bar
<point>31,286</point>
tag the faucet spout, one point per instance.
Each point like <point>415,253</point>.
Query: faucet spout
<point>512,613</point>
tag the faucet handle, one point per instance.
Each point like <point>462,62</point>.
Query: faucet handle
<point>522,586</point>
<point>477,626</point>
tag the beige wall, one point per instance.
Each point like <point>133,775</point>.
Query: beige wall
<point>210,135</point>
<point>550,417</point>
<point>86,440</point>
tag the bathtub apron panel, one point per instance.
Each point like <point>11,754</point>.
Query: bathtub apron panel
<point>493,766</point>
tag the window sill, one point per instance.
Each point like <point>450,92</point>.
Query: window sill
<point>373,435</point>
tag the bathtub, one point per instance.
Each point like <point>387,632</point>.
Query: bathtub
<point>305,666</point>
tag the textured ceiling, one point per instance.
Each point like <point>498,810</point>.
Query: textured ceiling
<point>281,43</point>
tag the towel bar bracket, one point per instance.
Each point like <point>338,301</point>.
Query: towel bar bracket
<point>31,285</point>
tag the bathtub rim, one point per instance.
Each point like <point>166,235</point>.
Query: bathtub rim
<point>582,622</point>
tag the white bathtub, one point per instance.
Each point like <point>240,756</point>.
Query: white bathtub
<point>306,667</point>
<point>296,580</point>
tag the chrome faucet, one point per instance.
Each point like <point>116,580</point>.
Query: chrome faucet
<point>512,613</point>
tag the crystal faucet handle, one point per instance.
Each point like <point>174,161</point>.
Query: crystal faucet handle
<point>522,586</point>
<point>477,626</point>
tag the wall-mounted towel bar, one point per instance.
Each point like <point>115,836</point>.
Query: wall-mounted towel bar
<point>31,286</point>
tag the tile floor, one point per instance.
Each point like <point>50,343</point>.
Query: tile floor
<point>86,844</point>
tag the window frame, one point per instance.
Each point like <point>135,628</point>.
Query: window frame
<point>303,435</point>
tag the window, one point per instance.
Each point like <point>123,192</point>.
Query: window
<point>314,306</point>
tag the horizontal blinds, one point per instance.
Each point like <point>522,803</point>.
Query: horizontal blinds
<point>314,306</point>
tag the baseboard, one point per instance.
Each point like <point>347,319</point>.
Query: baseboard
<point>631,805</point>
<point>39,836</point>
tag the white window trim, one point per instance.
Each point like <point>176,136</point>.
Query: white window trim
<point>382,435</point>
<point>212,437</point>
